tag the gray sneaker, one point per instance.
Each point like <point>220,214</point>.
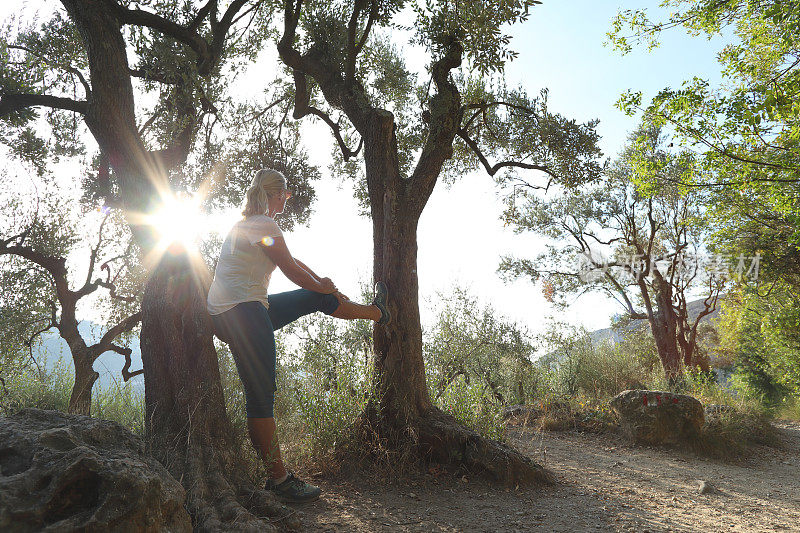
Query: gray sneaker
<point>380,301</point>
<point>293,490</point>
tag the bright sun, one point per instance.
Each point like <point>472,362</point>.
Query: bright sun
<point>179,220</point>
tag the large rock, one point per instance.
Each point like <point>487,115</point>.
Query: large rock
<point>61,472</point>
<point>656,417</point>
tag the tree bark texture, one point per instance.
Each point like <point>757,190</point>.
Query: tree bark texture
<point>663,325</point>
<point>675,337</point>
<point>80,401</point>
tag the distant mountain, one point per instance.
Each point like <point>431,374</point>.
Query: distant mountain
<point>615,336</point>
<point>694,309</point>
<point>109,365</point>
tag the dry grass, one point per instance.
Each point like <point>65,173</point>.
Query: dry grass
<point>562,414</point>
<point>732,435</point>
<point>728,436</point>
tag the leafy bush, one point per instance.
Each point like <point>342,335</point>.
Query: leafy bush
<point>579,366</point>
<point>472,407</point>
<point>477,362</point>
<point>760,335</point>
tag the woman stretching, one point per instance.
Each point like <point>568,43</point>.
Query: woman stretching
<point>245,318</point>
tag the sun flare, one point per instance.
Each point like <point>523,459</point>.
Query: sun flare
<point>179,220</point>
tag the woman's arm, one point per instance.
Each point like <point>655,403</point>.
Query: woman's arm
<point>280,255</point>
<point>304,266</point>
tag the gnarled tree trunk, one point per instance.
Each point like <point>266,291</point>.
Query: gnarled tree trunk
<point>188,428</point>
<point>675,336</point>
<point>80,401</point>
<point>400,413</point>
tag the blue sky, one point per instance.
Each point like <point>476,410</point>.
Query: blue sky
<point>561,48</point>
<point>461,237</point>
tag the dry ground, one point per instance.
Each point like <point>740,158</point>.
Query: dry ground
<point>604,484</point>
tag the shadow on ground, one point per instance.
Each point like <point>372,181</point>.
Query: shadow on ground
<point>604,484</point>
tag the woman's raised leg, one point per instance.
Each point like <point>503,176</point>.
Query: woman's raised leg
<point>286,307</point>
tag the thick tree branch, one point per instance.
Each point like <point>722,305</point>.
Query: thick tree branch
<point>202,13</point>
<point>220,30</point>
<point>354,48</point>
<point>12,102</point>
<point>302,108</point>
<point>19,237</point>
<point>444,116</point>
<point>347,95</point>
<point>373,15</point>
<point>352,26</point>
<point>107,340</point>
<point>189,37</point>
<point>53,314</point>
<point>208,55</point>
<point>55,266</point>
<point>126,373</point>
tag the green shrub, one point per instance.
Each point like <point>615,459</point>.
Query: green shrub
<point>472,407</point>
<point>603,370</point>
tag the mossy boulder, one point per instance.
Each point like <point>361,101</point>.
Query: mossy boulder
<point>658,417</point>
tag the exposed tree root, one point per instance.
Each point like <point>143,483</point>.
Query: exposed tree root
<point>219,500</point>
<point>437,437</point>
<point>445,440</point>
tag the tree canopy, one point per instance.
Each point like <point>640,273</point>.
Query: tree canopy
<point>747,134</point>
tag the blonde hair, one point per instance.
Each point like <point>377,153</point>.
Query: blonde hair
<point>265,183</point>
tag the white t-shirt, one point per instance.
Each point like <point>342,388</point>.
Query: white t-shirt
<point>243,269</point>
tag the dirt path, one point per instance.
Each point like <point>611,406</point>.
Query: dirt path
<point>604,484</point>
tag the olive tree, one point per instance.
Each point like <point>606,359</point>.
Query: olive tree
<point>144,79</point>
<point>398,132</point>
<point>41,292</point>
<point>636,237</point>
